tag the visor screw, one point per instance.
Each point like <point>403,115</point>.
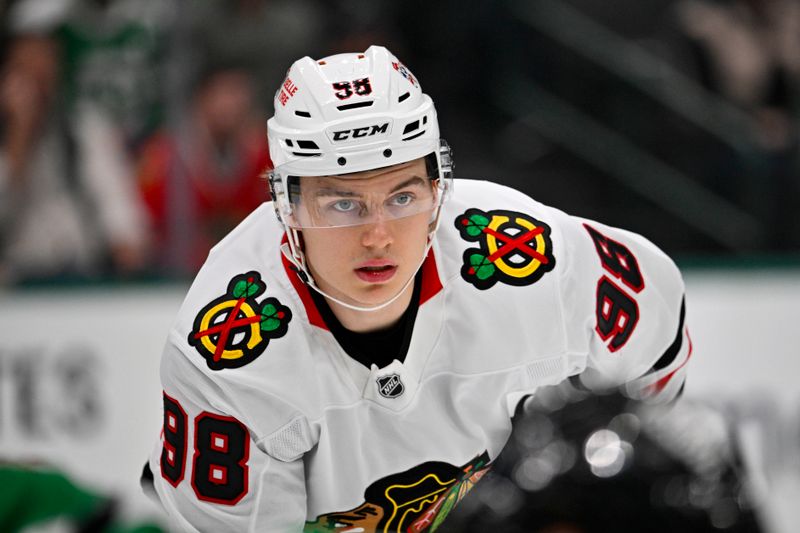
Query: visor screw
<point>387,153</point>
<point>342,161</point>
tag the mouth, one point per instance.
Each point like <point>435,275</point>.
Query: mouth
<point>376,271</point>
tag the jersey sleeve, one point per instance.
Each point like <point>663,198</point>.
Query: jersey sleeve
<point>211,471</point>
<point>624,301</point>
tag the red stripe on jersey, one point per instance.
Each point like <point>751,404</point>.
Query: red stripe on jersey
<point>314,318</point>
<point>659,385</point>
<point>431,284</point>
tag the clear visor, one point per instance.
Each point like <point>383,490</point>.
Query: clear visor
<point>381,195</point>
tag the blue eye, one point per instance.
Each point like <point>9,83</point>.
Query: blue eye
<point>343,206</point>
<point>403,199</point>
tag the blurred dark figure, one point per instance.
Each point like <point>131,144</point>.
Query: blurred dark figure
<point>361,23</point>
<point>262,36</point>
<point>202,179</point>
<point>114,55</point>
<point>40,498</point>
<point>748,51</point>
<point>579,463</point>
<point>67,202</point>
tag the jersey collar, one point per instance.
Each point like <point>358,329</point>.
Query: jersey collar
<point>431,286</point>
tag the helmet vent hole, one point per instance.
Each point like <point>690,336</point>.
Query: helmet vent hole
<point>289,143</point>
<point>415,136</point>
<point>425,119</point>
<point>387,153</point>
<point>411,126</point>
<point>403,97</point>
<point>307,145</point>
<point>356,105</point>
<point>342,161</point>
<point>304,114</point>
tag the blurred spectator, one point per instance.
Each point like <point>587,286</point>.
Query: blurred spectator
<point>263,36</point>
<point>67,204</point>
<point>114,55</point>
<point>203,178</point>
<point>362,23</point>
<point>40,498</point>
<point>748,51</point>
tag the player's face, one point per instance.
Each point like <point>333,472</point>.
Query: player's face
<point>370,263</point>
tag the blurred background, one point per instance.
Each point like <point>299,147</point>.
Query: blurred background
<point>132,138</point>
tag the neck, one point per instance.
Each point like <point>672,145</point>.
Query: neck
<point>366,321</point>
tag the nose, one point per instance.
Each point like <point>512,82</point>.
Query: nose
<point>377,234</point>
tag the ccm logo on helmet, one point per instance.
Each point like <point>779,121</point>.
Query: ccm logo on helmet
<point>364,131</point>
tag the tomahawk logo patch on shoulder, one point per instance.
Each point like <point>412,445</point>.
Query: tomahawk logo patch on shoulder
<point>235,328</point>
<point>513,248</point>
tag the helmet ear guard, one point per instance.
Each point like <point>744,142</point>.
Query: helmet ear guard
<point>446,167</point>
<point>276,194</point>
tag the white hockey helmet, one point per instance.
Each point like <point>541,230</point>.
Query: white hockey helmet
<point>350,112</point>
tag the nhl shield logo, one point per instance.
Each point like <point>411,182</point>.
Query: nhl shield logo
<point>390,386</point>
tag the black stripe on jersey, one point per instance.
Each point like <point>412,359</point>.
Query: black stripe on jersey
<point>672,352</point>
<point>521,405</point>
<point>146,480</point>
<point>680,391</point>
<point>575,381</point>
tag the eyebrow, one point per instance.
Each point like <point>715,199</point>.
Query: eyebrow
<point>414,180</point>
<point>332,191</point>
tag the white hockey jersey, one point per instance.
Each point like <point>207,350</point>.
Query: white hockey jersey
<point>270,426</point>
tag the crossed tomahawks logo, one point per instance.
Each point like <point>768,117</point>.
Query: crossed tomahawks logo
<point>234,329</point>
<point>514,248</point>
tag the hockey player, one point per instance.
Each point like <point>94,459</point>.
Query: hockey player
<point>354,362</point>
